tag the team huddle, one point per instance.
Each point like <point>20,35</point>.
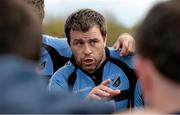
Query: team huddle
<point>80,73</point>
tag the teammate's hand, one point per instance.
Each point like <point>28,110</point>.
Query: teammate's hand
<point>126,43</point>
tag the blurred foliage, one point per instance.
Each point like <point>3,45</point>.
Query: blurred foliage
<point>55,27</point>
<point>114,30</point>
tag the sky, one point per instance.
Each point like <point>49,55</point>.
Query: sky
<point>126,12</point>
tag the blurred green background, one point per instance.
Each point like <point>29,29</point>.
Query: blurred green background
<point>55,27</point>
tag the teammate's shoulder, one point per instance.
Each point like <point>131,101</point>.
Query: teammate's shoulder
<point>60,44</point>
<point>50,39</point>
<point>65,70</point>
<point>115,54</point>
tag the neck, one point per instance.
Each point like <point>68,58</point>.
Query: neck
<point>103,59</point>
<point>167,98</point>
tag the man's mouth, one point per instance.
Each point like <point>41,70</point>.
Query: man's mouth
<point>88,61</point>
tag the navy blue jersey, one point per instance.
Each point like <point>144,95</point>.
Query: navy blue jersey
<point>117,68</point>
<point>55,53</point>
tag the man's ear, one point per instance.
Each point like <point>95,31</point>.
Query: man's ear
<point>144,71</point>
<point>105,41</point>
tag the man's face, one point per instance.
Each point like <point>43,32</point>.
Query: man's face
<point>88,48</point>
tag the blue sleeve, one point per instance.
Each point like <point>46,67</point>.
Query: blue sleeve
<point>59,80</point>
<point>138,101</point>
<point>62,47</point>
<point>60,44</point>
<point>46,64</point>
<point>126,59</point>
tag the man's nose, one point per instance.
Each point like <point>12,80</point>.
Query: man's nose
<point>87,49</point>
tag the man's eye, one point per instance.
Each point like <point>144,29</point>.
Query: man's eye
<point>93,43</point>
<point>79,44</point>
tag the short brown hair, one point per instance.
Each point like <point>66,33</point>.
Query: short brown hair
<point>158,38</point>
<point>38,7</point>
<point>20,30</point>
<point>83,20</point>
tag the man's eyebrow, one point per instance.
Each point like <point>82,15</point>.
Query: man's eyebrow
<point>94,39</point>
<point>77,39</point>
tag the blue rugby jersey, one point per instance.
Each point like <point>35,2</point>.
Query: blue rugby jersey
<point>114,67</point>
<point>55,53</point>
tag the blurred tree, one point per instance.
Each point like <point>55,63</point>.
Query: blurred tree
<point>115,28</point>
<point>55,27</point>
<point>135,27</point>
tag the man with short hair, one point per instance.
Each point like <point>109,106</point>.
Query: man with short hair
<point>157,62</point>
<point>56,52</point>
<point>94,71</point>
